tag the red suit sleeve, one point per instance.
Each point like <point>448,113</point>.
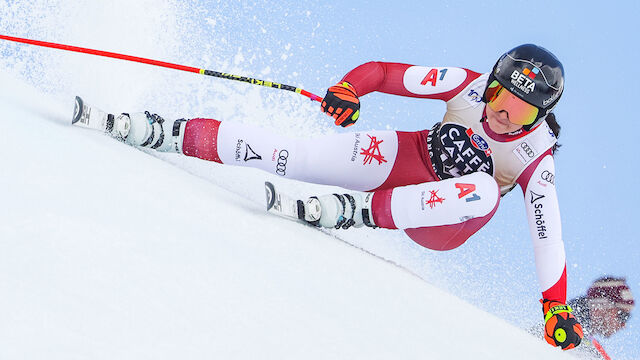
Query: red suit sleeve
<point>442,83</point>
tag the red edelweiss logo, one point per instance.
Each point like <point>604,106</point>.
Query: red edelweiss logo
<point>373,152</point>
<point>434,199</point>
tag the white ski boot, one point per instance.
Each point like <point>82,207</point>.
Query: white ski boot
<point>138,129</point>
<point>339,211</point>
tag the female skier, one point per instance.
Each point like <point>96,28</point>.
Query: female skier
<point>439,185</point>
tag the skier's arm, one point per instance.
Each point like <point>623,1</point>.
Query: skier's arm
<point>441,83</point>
<point>561,328</point>
<point>541,202</point>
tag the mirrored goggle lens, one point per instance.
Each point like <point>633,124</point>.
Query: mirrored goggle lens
<point>520,112</point>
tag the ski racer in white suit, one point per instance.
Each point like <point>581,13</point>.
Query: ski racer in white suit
<point>439,185</point>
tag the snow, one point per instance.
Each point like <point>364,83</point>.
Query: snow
<point>109,252</point>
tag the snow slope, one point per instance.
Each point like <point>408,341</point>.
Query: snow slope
<point>107,252</point>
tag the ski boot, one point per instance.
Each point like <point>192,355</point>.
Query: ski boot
<point>338,211</point>
<point>138,129</point>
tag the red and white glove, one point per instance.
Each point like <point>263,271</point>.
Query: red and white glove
<point>342,104</point>
<point>561,328</point>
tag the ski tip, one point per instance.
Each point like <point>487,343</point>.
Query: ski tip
<point>270,192</point>
<point>77,110</point>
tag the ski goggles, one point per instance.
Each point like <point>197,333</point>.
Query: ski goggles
<point>499,99</point>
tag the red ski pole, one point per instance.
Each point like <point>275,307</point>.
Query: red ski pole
<point>600,349</point>
<point>164,64</point>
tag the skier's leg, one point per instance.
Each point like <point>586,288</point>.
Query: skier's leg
<point>343,160</point>
<point>359,161</point>
<point>331,160</point>
<point>438,215</point>
<point>369,160</point>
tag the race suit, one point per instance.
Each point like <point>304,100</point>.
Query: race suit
<point>418,179</point>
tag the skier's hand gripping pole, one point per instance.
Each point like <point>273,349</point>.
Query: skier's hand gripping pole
<point>560,326</point>
<point>342,104</point>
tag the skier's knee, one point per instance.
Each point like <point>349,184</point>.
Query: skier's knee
<point>480,195</point>
<point>487,192</point>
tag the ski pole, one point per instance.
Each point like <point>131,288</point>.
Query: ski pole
<point>164,64</point>
<point>600,349</point>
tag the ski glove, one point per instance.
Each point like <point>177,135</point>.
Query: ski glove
<point>342,104</point>
<point>560,326</point>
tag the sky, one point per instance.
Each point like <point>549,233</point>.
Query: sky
<point>313,44</point>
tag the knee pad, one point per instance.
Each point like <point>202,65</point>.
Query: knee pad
<point>445,202</point>
<point>479,189</point>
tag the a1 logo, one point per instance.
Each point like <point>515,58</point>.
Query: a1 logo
<point>432,76</point>
<point>466,189</point>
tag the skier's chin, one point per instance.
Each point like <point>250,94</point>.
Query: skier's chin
<point>499,127</point>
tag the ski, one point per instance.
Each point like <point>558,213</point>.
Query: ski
<point>84,115</point>
<point>283,205</point>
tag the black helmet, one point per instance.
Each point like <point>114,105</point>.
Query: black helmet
<point>533,74</point>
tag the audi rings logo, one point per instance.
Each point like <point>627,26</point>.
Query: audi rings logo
<point>281,166</point>
<point>527,149</point>
<point>548,177</point>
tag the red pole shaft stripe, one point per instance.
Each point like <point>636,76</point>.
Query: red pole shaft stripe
<point>310,95</point>
<point>100,53</point>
